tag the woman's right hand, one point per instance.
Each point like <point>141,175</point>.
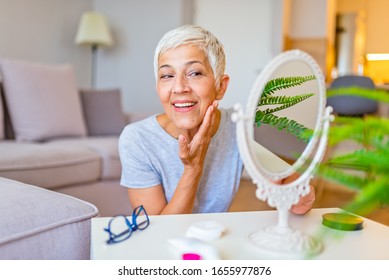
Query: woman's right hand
<point>192,153</point>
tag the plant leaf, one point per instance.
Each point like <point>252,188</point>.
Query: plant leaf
<point>352,181</point>
<point>374,194</point>
<point>286,101</point>
<point>374,94</point>
<point>283,83</point>
<point>364,160</point>
<point>283,123</point>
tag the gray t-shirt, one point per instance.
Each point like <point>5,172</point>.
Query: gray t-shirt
<point>149,157</point>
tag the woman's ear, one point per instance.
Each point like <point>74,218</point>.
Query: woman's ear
<point>223,84</point>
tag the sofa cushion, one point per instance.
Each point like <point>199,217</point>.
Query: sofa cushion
<point>40,224</point>
<point>48,166</point>
<point>103,111</point>
<point>106,147</point>
<point>43,100</point>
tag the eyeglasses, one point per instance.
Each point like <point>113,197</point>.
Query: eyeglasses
<point>140,220</point>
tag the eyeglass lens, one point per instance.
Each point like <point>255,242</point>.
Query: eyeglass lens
<point>140,218</point>
<point>119,229</point>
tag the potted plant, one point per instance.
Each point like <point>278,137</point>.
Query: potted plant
<point>365,169</point>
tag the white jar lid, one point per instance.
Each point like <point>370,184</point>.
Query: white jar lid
<point>206,230</point>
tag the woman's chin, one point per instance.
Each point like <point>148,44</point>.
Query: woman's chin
<point>187,125</point>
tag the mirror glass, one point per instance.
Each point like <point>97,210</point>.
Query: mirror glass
<point>286,114</point>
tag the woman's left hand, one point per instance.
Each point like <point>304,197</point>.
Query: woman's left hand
<point>306,202</point>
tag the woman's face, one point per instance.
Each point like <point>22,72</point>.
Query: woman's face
<point>186,86</point>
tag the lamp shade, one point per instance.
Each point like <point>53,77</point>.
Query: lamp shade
<point>93,30</point>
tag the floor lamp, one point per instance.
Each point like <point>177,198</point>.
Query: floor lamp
<point>93,31</point>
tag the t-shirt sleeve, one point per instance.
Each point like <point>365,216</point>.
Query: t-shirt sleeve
<point>137,169</point>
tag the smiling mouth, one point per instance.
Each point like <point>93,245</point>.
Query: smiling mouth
<point>184,105</point>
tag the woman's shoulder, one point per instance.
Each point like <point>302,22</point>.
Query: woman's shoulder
<point>144,126</point>
<point>143,123</point>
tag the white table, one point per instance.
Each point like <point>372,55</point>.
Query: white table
<point>372,242</point>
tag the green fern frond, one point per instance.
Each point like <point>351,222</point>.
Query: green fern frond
<point>368,121</point>
<point>362,160</point>
<point>275,100</point>
<point>286,101</point>
<point>374,94</point>
<point>374,194</point>
<point>283,83</point>
<point>362,130</point>
<point>283,123</point>
<point>339,176</point>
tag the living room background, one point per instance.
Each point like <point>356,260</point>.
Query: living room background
<point>44,31</point>
<point>253,31</point>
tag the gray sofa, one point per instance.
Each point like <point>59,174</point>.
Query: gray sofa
<point>59,162</point>
<point>59,137</point>
<point>88,169</point>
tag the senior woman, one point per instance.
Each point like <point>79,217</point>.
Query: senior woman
<point>186,160</point>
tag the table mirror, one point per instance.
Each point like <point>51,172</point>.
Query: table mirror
<point>283,132</point>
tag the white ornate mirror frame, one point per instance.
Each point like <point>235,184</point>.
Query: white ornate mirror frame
<point>282,239</point>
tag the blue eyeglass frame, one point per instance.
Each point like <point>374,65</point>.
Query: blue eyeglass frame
<point>115,238</point>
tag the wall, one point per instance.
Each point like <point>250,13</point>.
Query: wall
<point>137,26</point>
<point>377,22</point>
<point>308,19</point>
<point>310,30</point>
<point>44,31</point>
<point>251,34</point>
<point>350,6</point>
<point>377,39</point>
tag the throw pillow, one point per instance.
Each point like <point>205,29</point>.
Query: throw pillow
<point>43,100</point>
<point>2,128</point>
<point>102,111</point>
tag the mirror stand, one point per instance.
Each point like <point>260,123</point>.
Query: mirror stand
<point>281,239</point>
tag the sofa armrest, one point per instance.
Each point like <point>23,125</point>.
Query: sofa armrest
<point>37,223</point>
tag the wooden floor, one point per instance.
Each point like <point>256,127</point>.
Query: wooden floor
<point>327,195</point>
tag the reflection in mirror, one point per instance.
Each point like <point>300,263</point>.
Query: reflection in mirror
<point>287,112</point>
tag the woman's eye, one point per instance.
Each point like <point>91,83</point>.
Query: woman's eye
<point>165,76</point>
<point>195,73</point>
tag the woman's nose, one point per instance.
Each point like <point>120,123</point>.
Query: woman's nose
<point>180,84</point>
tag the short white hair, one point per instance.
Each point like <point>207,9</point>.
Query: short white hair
<point>198,36</point>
